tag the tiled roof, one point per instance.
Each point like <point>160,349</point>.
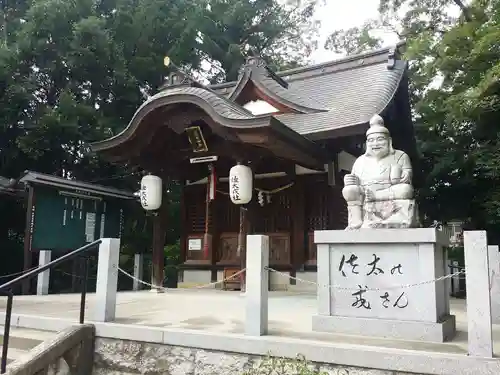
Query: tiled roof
<point>330,100</point>
<point>351,90</point>
<point>352,96</point>
<point>260,76</point>
<point>219,103</point>
<point>227,114</point>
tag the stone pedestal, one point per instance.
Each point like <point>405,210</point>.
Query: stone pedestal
<point>368,268</point>
<point>398,213</point>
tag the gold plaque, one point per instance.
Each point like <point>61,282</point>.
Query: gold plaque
<point>196,139</point>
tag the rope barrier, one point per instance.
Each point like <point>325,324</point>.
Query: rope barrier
<point>338,287</point>
<point>462,271</point>
<point>17,273</point>
<point>350,289</point>
<point>195,287</point>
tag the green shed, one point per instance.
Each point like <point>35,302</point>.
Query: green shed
<point>63,215</point>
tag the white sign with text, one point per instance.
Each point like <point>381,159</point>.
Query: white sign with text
<point>380,268</point>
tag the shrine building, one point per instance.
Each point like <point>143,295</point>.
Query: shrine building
<point>299,131</point>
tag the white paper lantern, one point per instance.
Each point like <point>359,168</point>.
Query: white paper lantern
<point>240,184</point>
<point>151,192</point>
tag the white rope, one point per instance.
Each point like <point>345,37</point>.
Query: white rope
<point>195,287</point>
<point>350,289</point>
<point>18,273</point>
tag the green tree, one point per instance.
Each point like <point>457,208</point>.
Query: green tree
<point>454,69</point>
<point>73,72</point>
<point>281,32</point>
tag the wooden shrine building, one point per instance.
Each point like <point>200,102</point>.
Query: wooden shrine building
<point>299,130</point>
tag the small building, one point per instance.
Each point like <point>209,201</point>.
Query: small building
<point>63,215</point>
<point>299,130</point>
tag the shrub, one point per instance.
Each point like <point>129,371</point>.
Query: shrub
<point>284,366</point>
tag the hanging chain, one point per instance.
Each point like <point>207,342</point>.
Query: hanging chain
<point>212,284</point>
<point>338,287</point>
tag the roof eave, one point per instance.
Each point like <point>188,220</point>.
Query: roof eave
<point>301,142</point>
<point>42,179</point>
<point>152,105</point>
<point>306,150</point>
<point>294,106</point>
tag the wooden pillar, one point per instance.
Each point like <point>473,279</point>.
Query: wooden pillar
<point>298,248</point>
<point>242,235</point>
<point>184,225</point>
<point>159,232</point>
<point>215,232</point>
<point>244,227</point>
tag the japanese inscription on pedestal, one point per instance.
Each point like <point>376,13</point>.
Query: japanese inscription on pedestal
<point>364,297</point>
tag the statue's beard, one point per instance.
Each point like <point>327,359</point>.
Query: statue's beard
<point>379,153</point>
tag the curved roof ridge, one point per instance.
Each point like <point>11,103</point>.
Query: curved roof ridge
<point>256,72</point>
<point>228,113</point>
<point>346,59</point>
<point>343,60</point>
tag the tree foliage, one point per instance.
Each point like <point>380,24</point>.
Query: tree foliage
<point>75,71</point>
<point>454,67</point>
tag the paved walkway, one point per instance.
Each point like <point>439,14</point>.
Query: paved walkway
<point>222,311</point>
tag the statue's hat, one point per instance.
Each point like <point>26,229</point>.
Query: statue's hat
<point>377,126</point>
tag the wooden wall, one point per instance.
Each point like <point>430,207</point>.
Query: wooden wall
<point>289,219</point>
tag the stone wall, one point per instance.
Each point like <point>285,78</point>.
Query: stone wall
<point>119,357</point>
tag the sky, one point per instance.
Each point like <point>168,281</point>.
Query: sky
<point>343,14</point>
<point>334,15</point>
<point>337,15</point>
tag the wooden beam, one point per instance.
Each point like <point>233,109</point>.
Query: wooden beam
<point>242,236</point>
<point>298,216</point>
<point>215,228</point>
<point>183,219</point>
<point>160,222</point>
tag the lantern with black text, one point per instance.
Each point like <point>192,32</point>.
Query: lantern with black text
<point>240,184</point>
<point>151,192</point>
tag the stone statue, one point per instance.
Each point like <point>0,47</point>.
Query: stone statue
<point>378,191</point>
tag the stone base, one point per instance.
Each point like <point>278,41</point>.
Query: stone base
<point>157,290</point>
<point>383,328</point>
<point>400,213</point>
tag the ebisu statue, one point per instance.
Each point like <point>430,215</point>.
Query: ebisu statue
<point>379,191</point>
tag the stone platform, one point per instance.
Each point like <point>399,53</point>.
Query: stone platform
<point>382,285</point>
<point>213,319</point>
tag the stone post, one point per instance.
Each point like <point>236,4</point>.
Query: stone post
<point>324,280</point>
<point>42,286</point>
<point>257,285</point>
<point>107,280</point>
<point>138,270</point>
<point>455,279</point>
<point>480,342</point>
<point>494,263</point>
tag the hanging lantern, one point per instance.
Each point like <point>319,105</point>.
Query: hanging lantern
<point>151,192</point>
<point>240,184</point>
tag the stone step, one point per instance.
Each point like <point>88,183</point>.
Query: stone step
<point>22,340</point>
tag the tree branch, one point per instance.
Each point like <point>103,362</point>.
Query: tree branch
<point>465,10</point>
